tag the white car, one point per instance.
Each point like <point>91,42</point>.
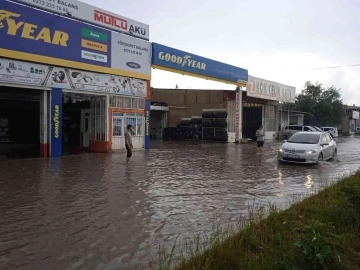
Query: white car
<point>332,130</point>
<point>292,129</point>
<point>308,147</point>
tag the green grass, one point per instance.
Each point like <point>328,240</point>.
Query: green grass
<point>320,232</point>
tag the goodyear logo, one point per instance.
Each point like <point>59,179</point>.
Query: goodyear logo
<point>57,120</point>
<point>15,27</point>
<point>183,61</point>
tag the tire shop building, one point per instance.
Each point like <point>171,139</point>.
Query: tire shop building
<point>350,123</point>
<point>169,107</point>
<point>259,106</point>
<point>68,86</point>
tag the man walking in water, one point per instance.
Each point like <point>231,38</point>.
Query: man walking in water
<point>128,143</point>
<point>260,138</point>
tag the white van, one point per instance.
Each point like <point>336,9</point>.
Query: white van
<point>332,130</point>
<point>292,129</point>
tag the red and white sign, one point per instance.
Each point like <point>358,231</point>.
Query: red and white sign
<point>260,88</point>
<point>238,116</point>
<point>84,12</point>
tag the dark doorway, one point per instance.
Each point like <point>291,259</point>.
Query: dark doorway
<point>252,119</point>
<point>75,123</point>
<point>19,122</point>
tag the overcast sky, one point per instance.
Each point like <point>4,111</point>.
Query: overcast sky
<point>274,40</point>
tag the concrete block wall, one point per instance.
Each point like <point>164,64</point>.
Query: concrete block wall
<point>186,103</point>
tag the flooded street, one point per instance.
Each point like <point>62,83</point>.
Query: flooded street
<point>94,212</point>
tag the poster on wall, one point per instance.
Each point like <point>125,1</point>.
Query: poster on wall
<point>260,88</point>
<point>19,72</point>
<point>89,81</point>
<point>94,15</point>
<point>36,36</point>
<point>22,73</point>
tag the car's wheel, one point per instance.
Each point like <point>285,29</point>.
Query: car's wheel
<point>321,157</point>
<point>334,154</point>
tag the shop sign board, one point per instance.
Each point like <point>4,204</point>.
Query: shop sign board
<point>18,72</point>
<point>56,122</point>
<point>91,14</point>
<point>174,60</point>
<point>36,36</point>
<point>355,115</point>
<point>264,89</point>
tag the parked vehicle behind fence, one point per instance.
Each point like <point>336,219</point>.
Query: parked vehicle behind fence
<point>292,129</point>
<point>332,130</point>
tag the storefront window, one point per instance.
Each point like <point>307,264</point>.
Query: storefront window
<point>98,123</point>
<point>140,126</point>
<point>117,126</point>
<point>270,118</point>
<point>127,102</point>
<point>120,123</point>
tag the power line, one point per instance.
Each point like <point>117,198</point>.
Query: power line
<point>320,68</point>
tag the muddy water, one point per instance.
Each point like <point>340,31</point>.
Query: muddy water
<point>93,212</point>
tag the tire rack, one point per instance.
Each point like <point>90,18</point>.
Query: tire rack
<point>218,133</point>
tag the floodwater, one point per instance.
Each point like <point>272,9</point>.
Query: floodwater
<point>94,212</point>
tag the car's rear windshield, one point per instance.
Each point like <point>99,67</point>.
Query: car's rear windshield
<point>304,138</point>
<point>327,129</point>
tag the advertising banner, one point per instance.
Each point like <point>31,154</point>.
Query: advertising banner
<point>147,123</point>
<point>265,89</point>
<point>174,60</point>
<point>94,15</point>
<point>18,72</point>
<point>355,115</point>
<point>56,122</point>
<point>33,35</point>
<point>130,54</point>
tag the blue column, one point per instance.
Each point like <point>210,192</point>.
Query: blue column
<point>56,122</point>
<point>147,124</point>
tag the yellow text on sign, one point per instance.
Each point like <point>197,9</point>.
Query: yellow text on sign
<point>32,31</point>
<point>93,45</point>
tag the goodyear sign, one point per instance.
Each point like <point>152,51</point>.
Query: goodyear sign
<point>174,60</point>
<point>147,123</point>
<point>33,35</point>
<point>56,122</point>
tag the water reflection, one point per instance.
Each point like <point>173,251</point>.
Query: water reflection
<point>309,183</point>
<point>94,212</point>
<point>281,184</point>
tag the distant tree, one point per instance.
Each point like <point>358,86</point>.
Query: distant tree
<point>325,104</point>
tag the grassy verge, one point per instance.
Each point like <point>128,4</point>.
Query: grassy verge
<point>321,232</point>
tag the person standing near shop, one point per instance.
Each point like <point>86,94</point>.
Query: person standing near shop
<point>260,138</point>
<point>128,143</point>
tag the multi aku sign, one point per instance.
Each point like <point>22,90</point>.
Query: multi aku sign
<point>94,15</point>
<point>36,36</point>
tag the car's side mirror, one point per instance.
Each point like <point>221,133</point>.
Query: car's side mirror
<point>325,144</point>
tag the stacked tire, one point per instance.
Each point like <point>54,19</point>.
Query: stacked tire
<point>215,125</point>
<point>196,126</point>
<point>220,123</point>
<point>185,129</point>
